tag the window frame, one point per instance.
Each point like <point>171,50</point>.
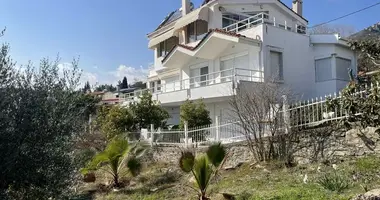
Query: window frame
<point>280,74</point>
<point>336,68</point>
<point>318,80</point>
<point>163,50</point>
<point>197,35</point>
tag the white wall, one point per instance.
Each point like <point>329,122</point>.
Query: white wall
<point>174,113</point>
<point>298,64</point>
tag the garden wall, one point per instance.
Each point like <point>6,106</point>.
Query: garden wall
<point>316,145</point>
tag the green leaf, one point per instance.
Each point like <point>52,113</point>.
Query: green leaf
<point>202,171</point>
<point>186,162</point>
<point>134,165</point>
<point>216,154</point>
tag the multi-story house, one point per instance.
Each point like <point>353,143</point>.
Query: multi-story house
<point>206,52</point>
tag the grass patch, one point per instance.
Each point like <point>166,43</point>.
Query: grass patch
<point>368,164</point>
<point>264,182</point>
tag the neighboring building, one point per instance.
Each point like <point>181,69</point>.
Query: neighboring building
<point>207,52</point>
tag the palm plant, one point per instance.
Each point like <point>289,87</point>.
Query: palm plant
<point>118,158</point>
<point>203,167</point>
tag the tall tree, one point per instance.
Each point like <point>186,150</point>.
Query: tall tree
<point>39,116</point>
<point>87,87</point>
<point>124,83</point>
<point>109,88</point>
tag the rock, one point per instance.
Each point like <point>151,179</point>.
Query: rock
<point>259,166</point>
<point>371,195</point>
<point>228,196</point>
<point>340,153</point>
<point>239,164</point>
<point>132,184</point>
<point>89,177</point>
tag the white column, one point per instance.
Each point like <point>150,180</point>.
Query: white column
<point>151,134</point>
<point>186,133</point>
<point>217,128</point>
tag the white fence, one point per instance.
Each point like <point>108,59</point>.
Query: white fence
<point>302,114</point>
<point>225,133</point>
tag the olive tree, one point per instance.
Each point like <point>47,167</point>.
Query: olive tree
<point>39,116</point>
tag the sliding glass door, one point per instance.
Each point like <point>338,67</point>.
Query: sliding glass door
<point>199,77</point>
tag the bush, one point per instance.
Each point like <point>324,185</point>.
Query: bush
<point>334,181</point>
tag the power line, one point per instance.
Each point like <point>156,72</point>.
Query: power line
<point>368,7</point>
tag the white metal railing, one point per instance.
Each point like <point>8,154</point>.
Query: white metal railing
<point>302,114</point>
<point>223,76</point>
<point>263,18</point>
<point>247,23</point>
<point>225,133</point>
<point>315,111</point>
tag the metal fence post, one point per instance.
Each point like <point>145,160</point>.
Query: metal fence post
<point>151,134</point>
<point>186,133</point>
<point>285,111</point>
<point>217,128</point>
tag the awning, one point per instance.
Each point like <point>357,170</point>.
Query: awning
<point>201,13</point>
<point>155,41</point>
<point>209,48</point>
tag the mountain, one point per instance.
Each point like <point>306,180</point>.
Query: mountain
<point>368,33</point>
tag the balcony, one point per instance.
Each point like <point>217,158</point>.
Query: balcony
<point>212,85</point>
<point>263,18</point>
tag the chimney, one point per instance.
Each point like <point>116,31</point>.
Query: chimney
<point>185,7</point>
<point>297,6</point>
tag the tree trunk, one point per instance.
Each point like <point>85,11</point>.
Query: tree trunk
<point>116,181</point>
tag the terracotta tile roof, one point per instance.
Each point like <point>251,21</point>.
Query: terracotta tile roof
<point>233,34</point>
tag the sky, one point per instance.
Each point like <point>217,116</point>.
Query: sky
<point>109,36</point>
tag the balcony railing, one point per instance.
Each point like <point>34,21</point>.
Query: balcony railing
<point>224,76</point>
<point>229,75</point>
<point>263,18</point>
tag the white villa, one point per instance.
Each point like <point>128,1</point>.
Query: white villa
<point>207,52</point>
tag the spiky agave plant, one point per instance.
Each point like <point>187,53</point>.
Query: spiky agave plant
<point>118,158</point>
<point>203,167</point>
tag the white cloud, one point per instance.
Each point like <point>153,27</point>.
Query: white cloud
<point>131,73</point>
<point>109,77</point>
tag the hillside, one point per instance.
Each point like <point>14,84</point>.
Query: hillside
<point>370,32</point>
<point>269,181</point>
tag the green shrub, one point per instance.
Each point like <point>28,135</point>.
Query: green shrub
<point>334,181</point>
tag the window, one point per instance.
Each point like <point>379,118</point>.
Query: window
<point>204,76</point>
<point>152,86</point>
<point>342,68</point>
<point>323,71</point>
<point>171,84</point>
<point>276,64</point>
<point>167,45</point>
<point>159,85</point>
<point>196,30</point>
<point>199,77</point>
<point>227,65</point>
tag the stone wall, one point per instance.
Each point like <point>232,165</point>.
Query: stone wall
<point>317,144</point>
